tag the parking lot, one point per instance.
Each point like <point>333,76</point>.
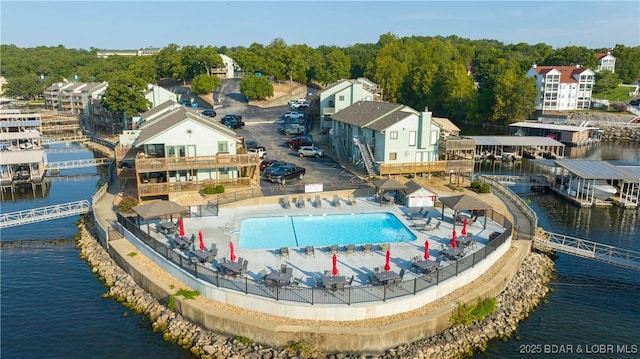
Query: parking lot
<point>261,126</point>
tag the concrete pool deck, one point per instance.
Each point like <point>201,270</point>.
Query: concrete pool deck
<point>225,228</point>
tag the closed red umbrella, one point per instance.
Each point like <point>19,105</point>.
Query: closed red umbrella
<point>181,227</point>
<point>464,226</point>
<point>387,265</point>
<point>334,270</point>
<point>426,250</point>
<point>201,241</point>
<point>453,239</point>
<point>232,255</point>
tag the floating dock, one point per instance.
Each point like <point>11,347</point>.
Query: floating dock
<point>566,134</point>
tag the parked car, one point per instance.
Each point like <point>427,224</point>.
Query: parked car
<point>310,151</point>
<point>253,144</point>
<point>286,173</point>
<point>209,113</point>
<point>234,124</point>
<point>229,117</point>
<point>293,129</point>
<point>276,166</point>
<point>261,152</point>
<point>293,114</point>
<point>299,141</point>
<point>266,163</point>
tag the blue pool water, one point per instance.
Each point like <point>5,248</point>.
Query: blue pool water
<point>322,230</point>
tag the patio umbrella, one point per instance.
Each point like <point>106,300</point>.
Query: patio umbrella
<point>181,227</point>
<point>453,239</point>
<point>334,270</point>
<point>464,226</point>
<point>387,265</point>
<point>201,241</point>
<point>426,250</point>
<point>232,255</point>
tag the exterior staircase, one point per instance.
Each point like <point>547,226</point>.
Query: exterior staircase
<point>367,157</point>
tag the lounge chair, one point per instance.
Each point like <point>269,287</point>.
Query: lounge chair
<point>284,252</point>
<point>333,249</point>
<point>373,280</point>
<point>367,248</point>
<point>402,271</point>
<point>350,249</point>
<point>317,202</point>
<point>285,202</point>
<point>384,247</point>
<point>283,268</point>
<point>300,202</point>
<point>289,271</point>
<point>309,251</point>
<point>336,200</point>
<point>262,274</point>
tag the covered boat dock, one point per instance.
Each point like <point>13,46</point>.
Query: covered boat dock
<point>594,183</point>
<point>569,135</point>
<point>510,148</point>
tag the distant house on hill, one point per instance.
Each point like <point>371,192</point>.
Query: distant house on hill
<point>139,52</point>
<point>606,61</point>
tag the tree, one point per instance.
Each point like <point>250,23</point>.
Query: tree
<point>27,87</point>
<point>203,84</point>
<point>571,56</point>
<point>169,62</point>
<point>515,97</point>
<point>627,63</point>
<point>605,82</point>
<point>256,87</point>
<point>124,95</point>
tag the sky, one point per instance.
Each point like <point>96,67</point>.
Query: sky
<point>138,24</point>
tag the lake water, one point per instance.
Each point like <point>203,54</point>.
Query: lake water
<point>51,303</point>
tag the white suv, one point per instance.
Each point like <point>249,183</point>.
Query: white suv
<point>292,114</point>
<point>310,151</point>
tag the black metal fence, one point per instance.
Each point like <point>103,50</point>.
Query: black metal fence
<point>308,292</point>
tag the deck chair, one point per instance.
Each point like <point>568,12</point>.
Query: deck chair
<point>300,202</point>
<point>283,268</point>
<point>350,249</point>
<point>284,252</point>
<point>285,202</point>
<point>384,247</point>
<point>262,274</point>
<point>336,200</point>
<point>317,203</point>
<point>327,273</point>
<point>309,251</point>
<point>333,249</point>
<point>367,248</point>
<point>352,200</point>
<point>296,281</point>
<point>402,271</point>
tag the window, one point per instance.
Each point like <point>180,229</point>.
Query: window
<point>412,138</point>
<point>393,156</point>
<point>393,135</point>
<point>223,147</point>
<point>341,98</point>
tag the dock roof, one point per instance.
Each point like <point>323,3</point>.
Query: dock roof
<point>550,126</point>
<point>594,169</point>
<point>513,141</point>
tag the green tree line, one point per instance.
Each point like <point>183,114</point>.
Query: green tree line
<point>462,79</point>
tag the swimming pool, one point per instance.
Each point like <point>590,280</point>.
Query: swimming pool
<point>322,230</point>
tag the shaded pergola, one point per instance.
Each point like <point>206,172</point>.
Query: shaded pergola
<point>158,209</point>
<point>464,202</point>
<point>385,185</point>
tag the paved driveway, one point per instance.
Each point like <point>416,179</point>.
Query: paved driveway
<point>261,127</point>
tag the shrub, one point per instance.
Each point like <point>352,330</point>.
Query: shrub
<point>467,314</point>
<point>127,203</point>
<point>476,184</point>
<point>484,188</point>
<point>213,190</point>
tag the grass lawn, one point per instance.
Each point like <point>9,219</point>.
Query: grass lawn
<point>619,94</point>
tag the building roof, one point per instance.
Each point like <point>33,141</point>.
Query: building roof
<point>332,87</point>
<point>464,202</point>
<point>374,115</point>
<point>158,209</point>
<point>175,116</point>
<point>595,169</point>
<point>158,110</point>
<point>600,55</point>
<point>389,184</point>
<point>566,72</point>
<point>413,186</point>
<point>549,126</point>
<point>513,141</point>
<point>445,124</point>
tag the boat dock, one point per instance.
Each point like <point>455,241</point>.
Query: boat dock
<point>513,148</point>
<point>588,183</point>
<point>566,134</point>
